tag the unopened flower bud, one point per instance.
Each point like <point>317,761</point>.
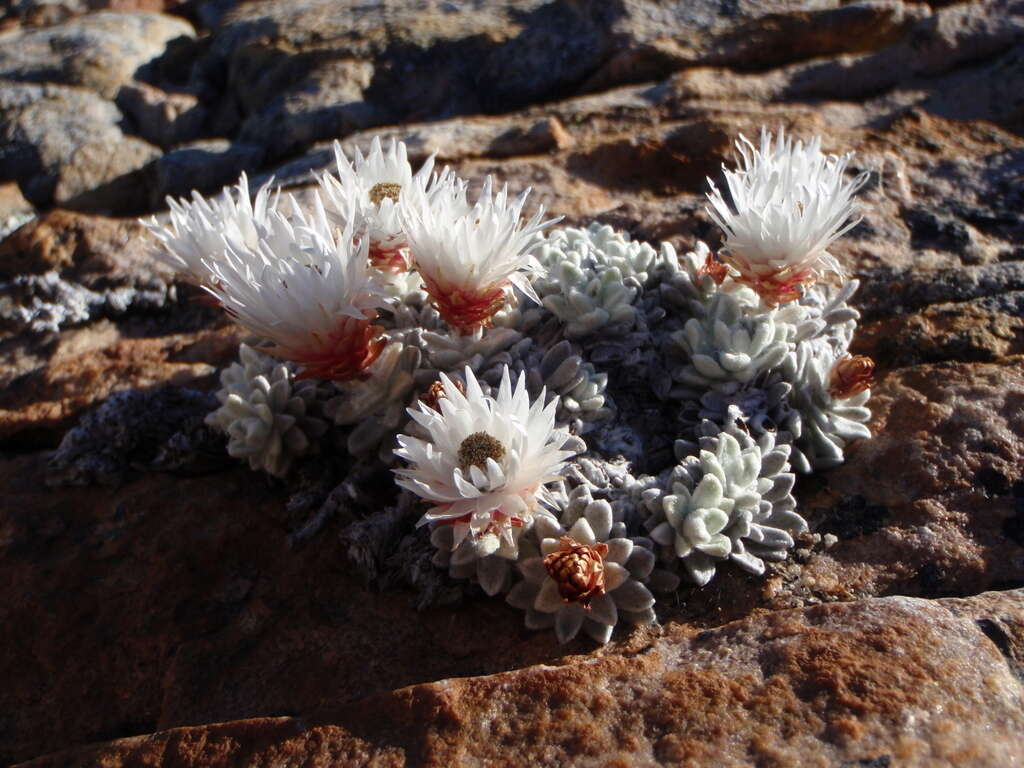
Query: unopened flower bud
<point>851,376</point>
<point>578,570</point>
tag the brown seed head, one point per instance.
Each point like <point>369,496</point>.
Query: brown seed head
<point>476,449</point>
<point>578,570</point>
<point>851,376</point>
<point>386,189</point>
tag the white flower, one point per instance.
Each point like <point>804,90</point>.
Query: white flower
<point>308,290</point>
<point>487,460</point>
<point>374,189</point>
<point>470,257</point>
<point>790,202</point>
<point>200,230</point>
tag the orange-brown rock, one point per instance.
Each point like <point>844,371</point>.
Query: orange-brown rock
<point>890,681</point>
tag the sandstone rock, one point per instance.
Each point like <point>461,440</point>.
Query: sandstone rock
<point>450,140</point>
<point>205,165</point>
<point>101,51</point>
<point>885,681</point>
<point>754,36</point>
<point>64,269</point>
<point>64,145</point>
<point>159,117</point>
<point>361,67</point>
<point>40,13</point>
<point>51,382</point>
<point>15,210</point>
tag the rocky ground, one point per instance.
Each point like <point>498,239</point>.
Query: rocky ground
<point>152,590</point>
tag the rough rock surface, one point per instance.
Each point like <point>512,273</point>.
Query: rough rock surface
<point>153,587</point>
<point>889,681</point>
<point>101,51</point>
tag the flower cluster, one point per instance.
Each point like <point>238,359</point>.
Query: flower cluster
<point>584,420</point>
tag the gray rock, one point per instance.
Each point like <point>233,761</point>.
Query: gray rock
<point>450,139</point>
<point>327,103</point>
<point>48,302</point>
<point>936,44</point>
<point>15,210</point>
<point>43,12</point>
<point>63,145</point>
<point>302,72</point>
<point>204,165</point>
<point>101,51</point>
<point>160,117</point>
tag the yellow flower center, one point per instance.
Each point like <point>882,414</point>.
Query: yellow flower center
<point>386,189</point>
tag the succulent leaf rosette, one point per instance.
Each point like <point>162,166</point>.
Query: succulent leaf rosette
<point>562,409</point>
<point>589,576</point>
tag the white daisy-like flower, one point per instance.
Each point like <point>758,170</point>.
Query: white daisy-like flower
<point>305,287</point>
<point>374,189</point>
<point>789,203</point>
<point>199,230</point>
<point>487,460</point>
<point>470,257</point>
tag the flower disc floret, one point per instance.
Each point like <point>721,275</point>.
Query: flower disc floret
<point>487,459</point>
<point>369,192</point>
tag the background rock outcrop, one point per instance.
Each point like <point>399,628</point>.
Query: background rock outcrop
<point>154,586</point>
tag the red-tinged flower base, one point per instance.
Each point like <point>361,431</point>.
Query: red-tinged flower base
<point>716,269</point>
<point>344,355</point>
<point>465,311</point>
<point>779,288</point>
<point>391,260</point>
<point>851,376</point>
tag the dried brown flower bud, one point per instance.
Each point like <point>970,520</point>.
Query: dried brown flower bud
<point>433,395</point>
<point>715,268</point>
<point>851,376</point>
<point>578,570</point>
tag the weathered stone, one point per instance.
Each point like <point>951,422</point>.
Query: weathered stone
<point>15,210</point>
<point>831,685</point>
<point>449,140</point>
<point>64,145</point>
<point>159,117</point>
<point>205,165</point>
<point>51,382</point>
<point>41,13</point>
<point>102,51</point>
<point>91,250</point>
